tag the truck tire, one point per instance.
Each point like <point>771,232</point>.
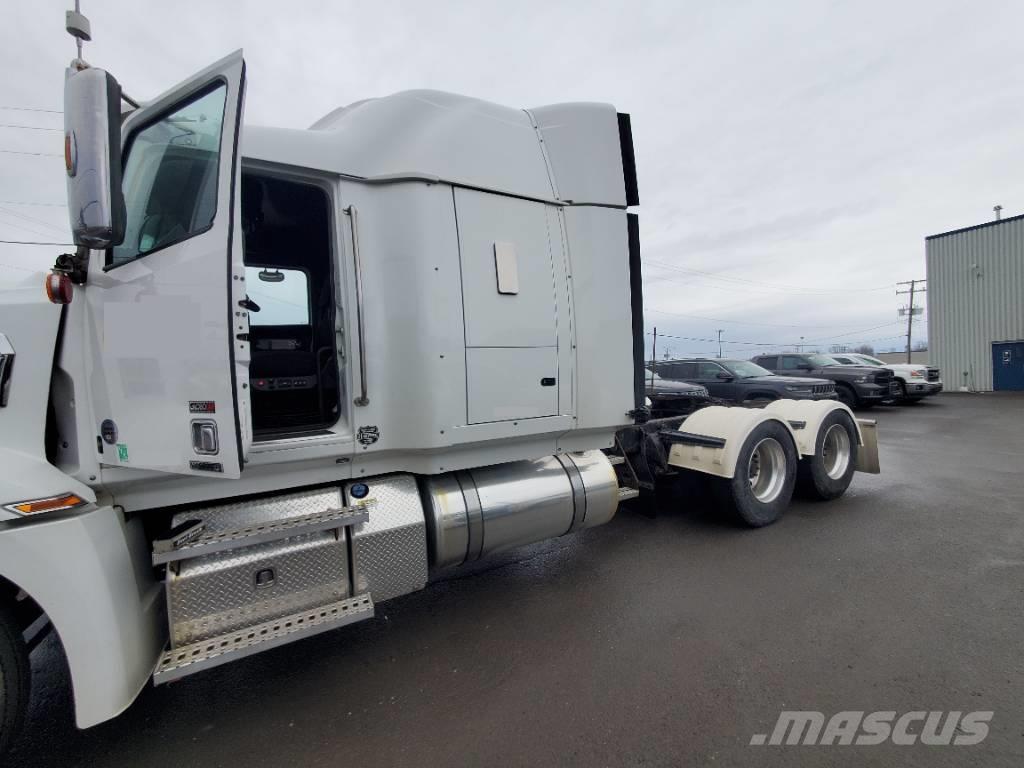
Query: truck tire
<point>847,396</point>
<point>904,397</point>
<point>827,474</point>
<point>14,679</point>
<point>760,489</point>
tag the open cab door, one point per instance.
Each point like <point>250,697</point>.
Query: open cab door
<point>168,325</point>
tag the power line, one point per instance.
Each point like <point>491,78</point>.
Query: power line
<point>716,341</point>
<point>9,212</point>
<point>37,154</point>
<point>33,109</point>
<point>851,333</point>
<point>689,282</point>
<point>29,127</point>
<point>761,283</point>
<point>723,320</point>
<point>25,202</point>
<point>33,230</point>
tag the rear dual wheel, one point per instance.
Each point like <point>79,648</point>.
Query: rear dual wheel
<point>827,474</point>
<point>762,485</point>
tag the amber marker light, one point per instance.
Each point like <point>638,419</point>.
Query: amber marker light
<point>59,288</point>
<point>49,504</point>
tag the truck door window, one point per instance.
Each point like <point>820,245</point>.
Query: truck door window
<point>282,296</point>
<point>676,371</point>
<point>170,177</point>
<point>791,362</point>
<point>708,370</point>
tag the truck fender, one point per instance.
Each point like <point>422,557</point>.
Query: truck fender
<point>90,573</point>
<point>709,440</point>
<point>806,416</point>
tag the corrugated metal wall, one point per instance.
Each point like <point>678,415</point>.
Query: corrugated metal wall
<point>975,297</point>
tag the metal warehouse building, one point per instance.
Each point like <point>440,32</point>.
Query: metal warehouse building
<point>976,305</point>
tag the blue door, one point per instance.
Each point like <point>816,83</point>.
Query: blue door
<point>1008,365</point>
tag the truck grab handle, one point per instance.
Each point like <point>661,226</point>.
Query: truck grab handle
<point>354,218</point>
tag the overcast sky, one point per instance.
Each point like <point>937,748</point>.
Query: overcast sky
<point>792,156</point>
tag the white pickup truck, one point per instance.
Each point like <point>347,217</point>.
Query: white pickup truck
<point>916,381</point>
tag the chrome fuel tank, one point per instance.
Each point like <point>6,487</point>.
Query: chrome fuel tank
<point>479,512</point>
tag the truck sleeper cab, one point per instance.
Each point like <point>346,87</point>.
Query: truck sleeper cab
<point>314,370</point>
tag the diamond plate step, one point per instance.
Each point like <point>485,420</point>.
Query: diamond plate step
<point>180,662</point>
<point>196,542</point>
<point>626,493</point>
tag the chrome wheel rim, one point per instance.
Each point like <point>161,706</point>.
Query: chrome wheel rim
<point>766,470</point>
<point>835,451</point>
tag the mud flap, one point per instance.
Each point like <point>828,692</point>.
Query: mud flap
<point>867,453</point>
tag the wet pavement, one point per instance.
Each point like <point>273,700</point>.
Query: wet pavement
<point>650,641</point>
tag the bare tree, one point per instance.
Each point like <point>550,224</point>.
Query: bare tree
<point>920,346</point>
<point>864,349</point>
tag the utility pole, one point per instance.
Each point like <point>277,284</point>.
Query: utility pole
<point>915,286</point>
<point>720,343</point>
<point>654,354</point>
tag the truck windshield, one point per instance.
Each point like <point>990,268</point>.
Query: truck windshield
<point>742,369</point>
<point>823,361</point>
<point>170,176</point>
<point>868,360</point>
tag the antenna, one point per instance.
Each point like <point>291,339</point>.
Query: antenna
<point>78,27</point>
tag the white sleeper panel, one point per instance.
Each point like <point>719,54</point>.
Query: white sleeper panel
<point>494,319</point>
<point>507,383</point>
<point>599,256</point>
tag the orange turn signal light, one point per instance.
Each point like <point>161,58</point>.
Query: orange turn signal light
<point>59,288</point>
<point>50,504</point>
<point>69,155</point>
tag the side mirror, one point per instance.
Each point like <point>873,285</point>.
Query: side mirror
<point>92,157</point>
<point>724,376</point>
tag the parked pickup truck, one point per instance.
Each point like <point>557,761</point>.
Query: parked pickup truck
<point>856,386</point>
<point>743,382</point>
<point>915,381</point>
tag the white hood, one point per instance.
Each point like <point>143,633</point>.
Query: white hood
<point>907,367</point>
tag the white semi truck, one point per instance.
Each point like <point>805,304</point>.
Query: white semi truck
<point>288,374</point>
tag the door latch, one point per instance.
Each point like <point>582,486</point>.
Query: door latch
<point>204,437</point>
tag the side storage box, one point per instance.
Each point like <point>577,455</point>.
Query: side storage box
<point>218,593</point>
<point>389,549</point>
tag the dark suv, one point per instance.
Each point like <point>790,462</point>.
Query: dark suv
<point>674,398</point>
<point>858,387</point>
<point>740,381</point>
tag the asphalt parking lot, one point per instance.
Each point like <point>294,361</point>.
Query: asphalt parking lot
<point>650,641</point>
